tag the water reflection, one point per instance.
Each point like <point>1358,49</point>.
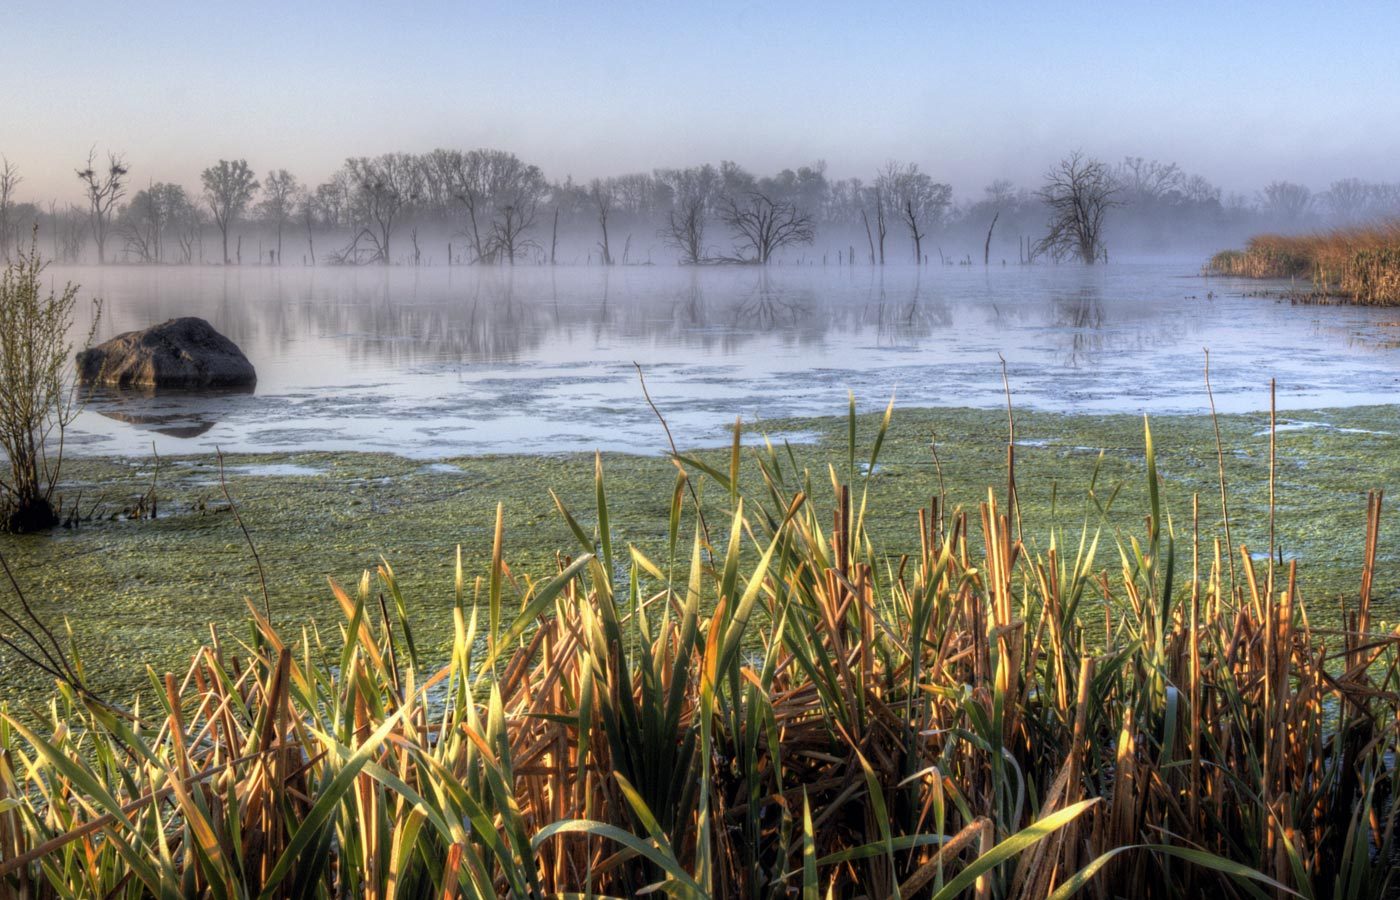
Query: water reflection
<point>904,316</point>
<point>173,413</point>
<point>1080,320</point>
<point>437,361</point>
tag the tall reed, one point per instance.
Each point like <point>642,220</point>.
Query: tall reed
<point>768,708</point>
<point>1359,264</point>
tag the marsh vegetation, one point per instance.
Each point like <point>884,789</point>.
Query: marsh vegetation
<point>846,669</point>
<point>762,703</point>
<point>1356,265</point>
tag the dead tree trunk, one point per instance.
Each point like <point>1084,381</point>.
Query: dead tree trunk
<point>880,224</point>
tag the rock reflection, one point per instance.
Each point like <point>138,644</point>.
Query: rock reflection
<point>173,413</point>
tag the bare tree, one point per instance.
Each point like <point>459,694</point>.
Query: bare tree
<point>1385,199</point>
<point>142,224</point>
<point>468,179</point>
<point>279,195</point>
<point>877,199</point>
<point>333,200</point>
<point>1287,203</point>
<point>515,193</point>
<point>9,181</point>
<point>685,229</point>
<point>228,188</point>
<point>762,226</point>
<point>384,186</point>
<point>1000,194</point>
<point>53,229</point>
<point>693,193</point>
<point>735,180</point>
<point>309,204</point>
<point>71,234</point>
<point>1200,192</point>
<point>1349,199</point>
<point>916,199</point>
<point>499,193</point>
<point>1143,182</point>
<point>1078,191</point>
<point>104,189</point>
<point>188,222</point>
<point>153,213</point>
<point>508,242</point>
<point>603,194</point>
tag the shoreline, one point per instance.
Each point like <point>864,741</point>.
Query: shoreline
<point>799,429</point>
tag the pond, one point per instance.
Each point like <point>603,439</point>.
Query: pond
<point>438,362</point>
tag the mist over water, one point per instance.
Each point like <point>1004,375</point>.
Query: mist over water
<point>434,362</point>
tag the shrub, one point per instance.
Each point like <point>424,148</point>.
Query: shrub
<point>38,390</point>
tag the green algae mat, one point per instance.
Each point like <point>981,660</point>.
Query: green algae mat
<point>145,591</point>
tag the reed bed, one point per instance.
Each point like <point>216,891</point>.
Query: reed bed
<point>769,708</point>
<point>1360,264</point>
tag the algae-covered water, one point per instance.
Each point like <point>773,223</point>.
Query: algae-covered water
<point>146,592</point>
<point>396,409</point>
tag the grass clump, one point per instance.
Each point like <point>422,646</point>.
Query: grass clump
<point>765,706</point>
<point>1361,264</point>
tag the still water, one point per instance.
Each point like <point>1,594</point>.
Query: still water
<point>439,362</point>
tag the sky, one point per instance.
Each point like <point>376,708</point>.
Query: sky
<point>1243,93</point>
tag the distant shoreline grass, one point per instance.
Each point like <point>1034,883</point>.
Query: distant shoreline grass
<point>1358,265</point>
<point>765,693</point>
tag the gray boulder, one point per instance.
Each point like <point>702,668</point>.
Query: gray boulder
<point>180,353</point>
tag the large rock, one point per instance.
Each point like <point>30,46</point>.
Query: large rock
<point>181,353</point>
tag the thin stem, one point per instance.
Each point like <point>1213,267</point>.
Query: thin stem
<point>1220,463</point>
<point>262,576</point>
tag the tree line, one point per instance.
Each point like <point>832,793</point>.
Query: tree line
<point>489,207</point>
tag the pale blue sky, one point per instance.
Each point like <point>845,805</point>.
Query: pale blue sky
<point>1241,92</point>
